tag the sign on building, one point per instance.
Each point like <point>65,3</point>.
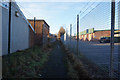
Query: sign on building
<point>91,30</point>
<point>87,31</point>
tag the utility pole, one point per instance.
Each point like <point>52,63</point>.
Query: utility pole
<point>9,28</point>
<point>112,38</point>
<point>9,36</point>
<point>34,32</point>
<point>77,34</point>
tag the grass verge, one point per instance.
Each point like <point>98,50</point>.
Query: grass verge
<point>75,68</point>
<point>27,63</point>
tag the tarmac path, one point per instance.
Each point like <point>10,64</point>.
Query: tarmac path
<point>55,67</point>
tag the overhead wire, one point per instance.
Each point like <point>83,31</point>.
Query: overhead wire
<point>25,11</point>
<point>80,11</point>
<point>87,8</point>
<point>84,6</point>
<point>74,24</point>
<point>90,11</point>
<point>90,7</point>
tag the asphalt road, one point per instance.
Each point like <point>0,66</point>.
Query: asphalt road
<point>99,53</point>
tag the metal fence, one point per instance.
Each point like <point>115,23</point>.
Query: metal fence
<point>95,23</point>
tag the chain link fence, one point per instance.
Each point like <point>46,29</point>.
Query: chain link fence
<point>94,39</point>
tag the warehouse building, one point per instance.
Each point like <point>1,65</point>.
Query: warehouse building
<point>42,31</point>
<point>95,35</point>
<point>20,29</point>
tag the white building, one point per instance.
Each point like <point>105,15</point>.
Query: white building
<point>19,29</point>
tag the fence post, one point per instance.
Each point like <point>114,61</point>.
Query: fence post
<point>43,36</point>
<point>67,38</point>
<point>77,34</point>
<point>119,43</point>
<point>70,33</point>
<point>112,38</point>
<point>34,33</point>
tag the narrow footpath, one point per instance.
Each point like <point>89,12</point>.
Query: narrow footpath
<point>55,67</point>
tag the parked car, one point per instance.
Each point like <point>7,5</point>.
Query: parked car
<point>117,39</point>
<point>104,39</point>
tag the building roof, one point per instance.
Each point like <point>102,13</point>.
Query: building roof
<point>102,30</point>
<point>39,20</point>
<point>106,30</point>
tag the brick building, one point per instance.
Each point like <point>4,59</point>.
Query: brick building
<point>94,35</point>
<point>31,37</point>
<point>41,30</point>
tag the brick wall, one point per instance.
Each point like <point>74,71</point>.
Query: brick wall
<point>38,26</point>
<point>42,31</point>
<point>90,36</point>
<point>38,39</point>
<point>99,34</point>
<point>31,38</point>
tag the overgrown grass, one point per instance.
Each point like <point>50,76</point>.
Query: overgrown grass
<point>91,69</point>
<point>76,69</point>
<point>27,63</point>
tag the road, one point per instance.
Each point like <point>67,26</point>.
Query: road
<point>99,53</point>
